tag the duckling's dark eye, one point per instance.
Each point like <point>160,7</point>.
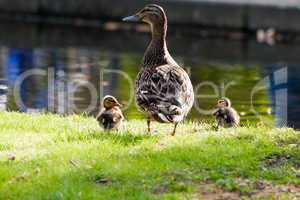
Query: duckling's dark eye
<point>108,100</point>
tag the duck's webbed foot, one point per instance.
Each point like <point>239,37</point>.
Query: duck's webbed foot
<point>148,126</point>
<point>215,127</point>
<point>174,130</point>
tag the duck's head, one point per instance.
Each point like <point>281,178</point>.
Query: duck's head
<point>152,14</point>
<point>110,102</point>
<point>224,102</point>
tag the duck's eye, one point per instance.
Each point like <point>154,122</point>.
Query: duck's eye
<point>150,12</point>
<point>146,10</point>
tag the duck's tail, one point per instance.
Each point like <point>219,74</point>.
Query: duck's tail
<point>173,114</point>
<point>170,118</point>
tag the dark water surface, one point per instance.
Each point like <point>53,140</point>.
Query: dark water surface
<point>68,69</point>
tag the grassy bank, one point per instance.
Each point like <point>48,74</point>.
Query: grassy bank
<point>53,157</point>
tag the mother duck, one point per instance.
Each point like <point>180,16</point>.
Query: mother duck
<point>163,90</point>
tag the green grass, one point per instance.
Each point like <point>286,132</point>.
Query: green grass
<point>72,158</point>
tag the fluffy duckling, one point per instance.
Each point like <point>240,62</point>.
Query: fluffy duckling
<point>110,116</point>
<point>163,90</point>
<point>226,116</point>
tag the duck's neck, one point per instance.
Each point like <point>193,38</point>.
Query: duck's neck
<point>157,51</point>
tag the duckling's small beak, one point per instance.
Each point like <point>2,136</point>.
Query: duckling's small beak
<point>133,18</point>
<point>215,110</point>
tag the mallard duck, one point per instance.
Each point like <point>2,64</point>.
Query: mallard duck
<point>226,116</point>
<point>110,116</point>
<point>163,90</point>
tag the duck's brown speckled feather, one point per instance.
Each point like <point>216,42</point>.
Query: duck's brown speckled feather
<point>165,90</point>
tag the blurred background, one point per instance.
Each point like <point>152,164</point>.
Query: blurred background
<point>247,50</point>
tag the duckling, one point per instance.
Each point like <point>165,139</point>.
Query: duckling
<point>110,116</point>
<point>226,116</point>
<point>163,90</point>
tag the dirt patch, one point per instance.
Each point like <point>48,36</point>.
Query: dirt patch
<point>276,160</point>
<point>280,159</point>
<point>260,190</point>
<point>210,191</point>
<point>278,192</point>
<point>177,181</point>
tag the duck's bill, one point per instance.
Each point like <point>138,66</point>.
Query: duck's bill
<point>215,111</point>
<point>132,18</point>
<point>120,105</point>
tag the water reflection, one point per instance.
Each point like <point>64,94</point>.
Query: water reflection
<point>72,79</point>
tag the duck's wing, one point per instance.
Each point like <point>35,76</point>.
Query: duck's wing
<point>165,91</point>
<point>111,118</point>
<point>99,117</point>
<point>117,114</point>
<point>233,116</point>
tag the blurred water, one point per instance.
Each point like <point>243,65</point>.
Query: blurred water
<point>68,70</point>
